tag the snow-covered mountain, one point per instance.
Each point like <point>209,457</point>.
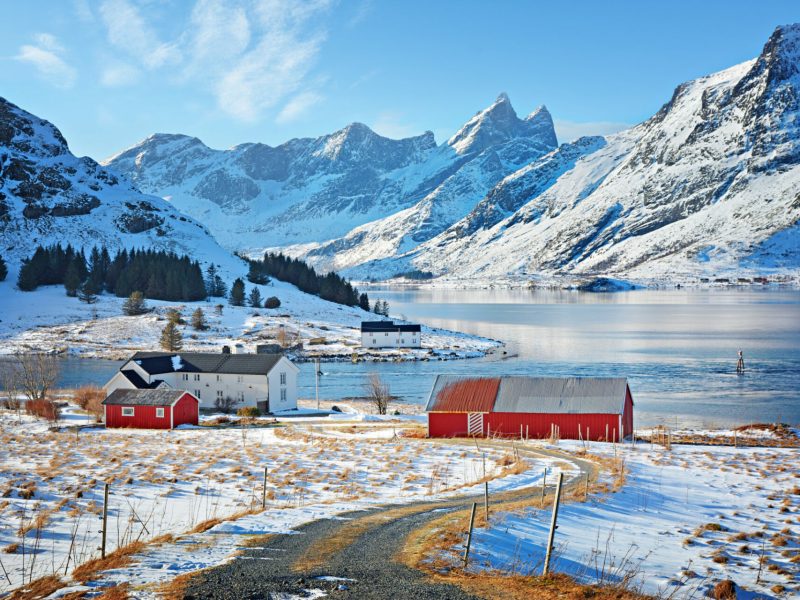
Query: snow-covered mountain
<point>311,190</point>
<point>48,195</point>
<point>709,184</point>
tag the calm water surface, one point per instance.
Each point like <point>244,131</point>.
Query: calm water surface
<point>677,348</point>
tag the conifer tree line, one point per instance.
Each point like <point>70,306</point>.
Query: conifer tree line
<point>159,275</point>
<point>330,287</point>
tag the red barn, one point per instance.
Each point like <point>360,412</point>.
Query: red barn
<point>162,408</point>
<point>600,407</point>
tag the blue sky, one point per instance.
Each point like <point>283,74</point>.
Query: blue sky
<point>111,72</point>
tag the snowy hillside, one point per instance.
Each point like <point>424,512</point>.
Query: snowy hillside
<point>305,191</point>
<point>48,195</point>
<point>708,185</point>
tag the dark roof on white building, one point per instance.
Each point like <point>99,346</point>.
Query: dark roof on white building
<point>552,395</point>
<point>388,326</point>
<point>160,397</point>
<point>205,362</point>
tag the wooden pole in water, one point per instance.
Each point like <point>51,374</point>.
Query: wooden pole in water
<point>553,525</point>
<point>105,521</point>
<point>469,534</point>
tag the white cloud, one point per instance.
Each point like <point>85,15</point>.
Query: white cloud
<point>83,10</point>
<point>45,57</point>
<point>390,124</point>
<point>298,106</point>
<point>130,32</point>
<point>568,131</point>
<point>119,74</point>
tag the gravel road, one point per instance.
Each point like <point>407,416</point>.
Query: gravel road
<point>366,569</point>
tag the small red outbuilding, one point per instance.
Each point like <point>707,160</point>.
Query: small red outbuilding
<point>162,408</point>
<point>591,408</point>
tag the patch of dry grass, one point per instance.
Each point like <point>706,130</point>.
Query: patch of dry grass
<point>121,557</point>
<point>40,588</point>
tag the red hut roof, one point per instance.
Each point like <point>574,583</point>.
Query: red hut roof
<point>463,394</point>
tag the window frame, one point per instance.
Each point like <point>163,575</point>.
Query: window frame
<point>126,413</point>
<point>160,413</point>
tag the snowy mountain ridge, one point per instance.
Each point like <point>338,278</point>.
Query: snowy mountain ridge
<point>709,185</point>
<point>309,190</point>
<point>48,196</point>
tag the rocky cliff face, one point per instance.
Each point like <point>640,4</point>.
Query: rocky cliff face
<point>48,195</point>
<point>710,183</point>
<point>311,190</point>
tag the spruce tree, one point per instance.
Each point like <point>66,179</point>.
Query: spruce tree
<point>171,338</point>
<point>134,305</point>
<point>72,279</point>
<point>385,308</point>
<point>174,316</point>
<point>254,298</point>
<point>363,302</point>
<point>86,293</point>
<point>3,269</point>
<point>377,308</point>
<point>199,320</point>
<point>237,293</point>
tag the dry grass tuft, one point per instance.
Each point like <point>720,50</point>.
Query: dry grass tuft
<point>121,557</point>
<point>725,590</point>
<point>40,588</point>
<point>118,592</point>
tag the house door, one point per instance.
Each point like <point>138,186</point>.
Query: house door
<point>475,424</point>
<point>263,406</point>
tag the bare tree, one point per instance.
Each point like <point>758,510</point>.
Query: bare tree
<point>9,379</point>
<point>37,374</point>
<point>378,393</point>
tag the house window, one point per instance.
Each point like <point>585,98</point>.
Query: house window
<point>283,395</point>
<point>185,377</point>
<point>386,334</point>
<point>197,376</point>
<point>197,393</point>
<point>219,378</point>
<point>239,379</point>
<point>159,413</point>
<point>283,378</point>
<point>240,396</point>
<point>127,411</point>
<point>219,394</point>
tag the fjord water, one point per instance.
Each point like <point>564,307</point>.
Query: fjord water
<point>677,347</point>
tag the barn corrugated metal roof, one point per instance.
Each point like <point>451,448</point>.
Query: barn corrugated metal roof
<point>160,397</point>
<point>206,362</point>
<point>565,395</point>
<point>453,393</point>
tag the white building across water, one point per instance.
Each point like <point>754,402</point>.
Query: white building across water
<point>266,381</point>
<point>388,334</point>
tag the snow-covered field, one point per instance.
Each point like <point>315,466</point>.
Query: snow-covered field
<point>48,320</point>
<point>181,486</point>
<point>685,519</point>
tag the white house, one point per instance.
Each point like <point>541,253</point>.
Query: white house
<point>388,334</point>
<point>266,381</point>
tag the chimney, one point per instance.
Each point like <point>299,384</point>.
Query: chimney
<point>226,349</point>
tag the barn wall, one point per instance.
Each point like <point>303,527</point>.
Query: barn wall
<point>627,417</point>
<point>447,424</point>
<point>185,411</point>
<point>144,418</point>
<point>538,425</point>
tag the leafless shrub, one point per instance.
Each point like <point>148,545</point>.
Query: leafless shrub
<point>43,408</point>
<point>225,405</point>
<point>378,393</point>
<point>90,399</point>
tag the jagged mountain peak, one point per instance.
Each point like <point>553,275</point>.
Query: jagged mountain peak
<point>27,133</point>
<point>498,123</point>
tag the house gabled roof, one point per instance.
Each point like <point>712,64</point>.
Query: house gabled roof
<point>156,363</point>
<point>562,395</point>
<point>390,326</point>
<point>159,397</point>
<point>137,380</point>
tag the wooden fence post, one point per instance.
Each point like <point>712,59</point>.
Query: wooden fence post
<point>105,521</point>
<point>553,525</point>
<point>586,488</point>
<point>486,500</point>
<point>544,485</point>
<point>264,491</point>
<point>469,534</point>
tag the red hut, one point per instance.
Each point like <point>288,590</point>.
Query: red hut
<point>162,408</point>
<point>591,408</point>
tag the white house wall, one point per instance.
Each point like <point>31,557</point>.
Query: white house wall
<point>391,339</point>
<point>247,390</point>
<point>276,401</point>
<point>118,382</point>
